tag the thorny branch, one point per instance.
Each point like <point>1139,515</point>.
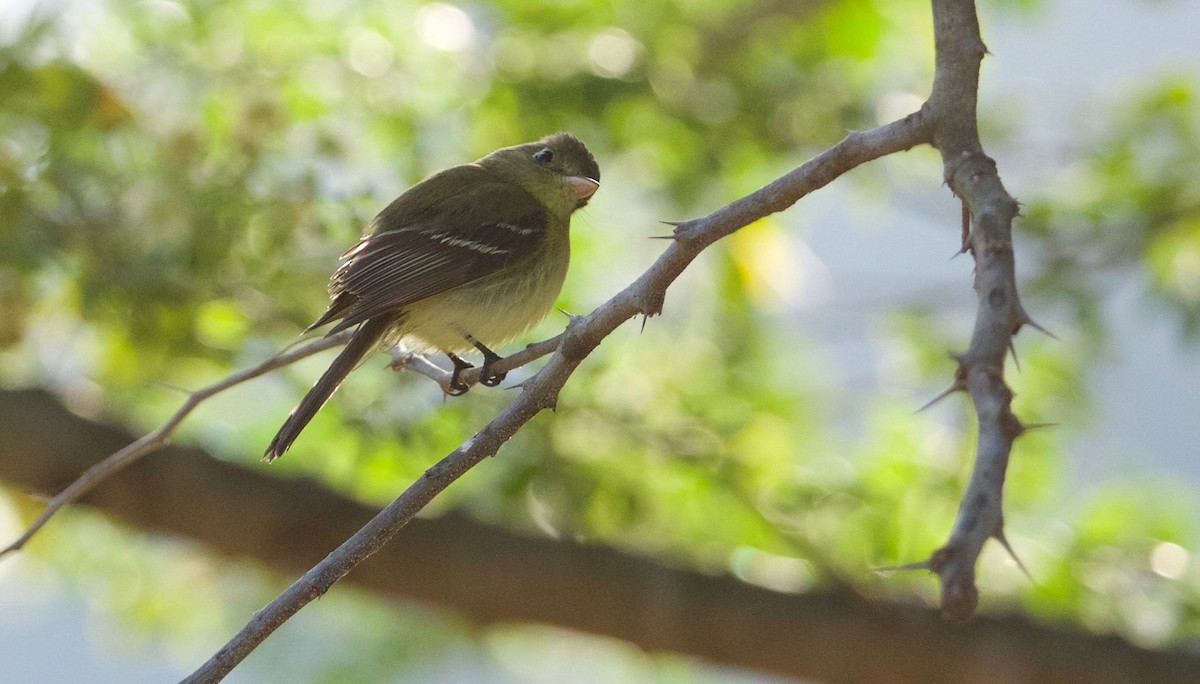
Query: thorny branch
<point>988,213</point>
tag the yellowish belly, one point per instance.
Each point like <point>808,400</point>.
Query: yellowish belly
<point>493,309</point>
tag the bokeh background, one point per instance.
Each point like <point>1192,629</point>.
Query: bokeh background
<point>178,178</point>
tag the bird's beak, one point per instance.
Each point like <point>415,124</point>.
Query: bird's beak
<point>583,187</point>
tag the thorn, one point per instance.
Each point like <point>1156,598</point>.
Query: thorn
<point>1034,324</point>
<point>953,388</point>
<point>999,536</point>
<point>1037,426</point>
<point>681,229</point>
<point>892,569</point>
<point>571,318</point>
<point>644,319</point>
<point>672,236</point>
<point>1012,348</point>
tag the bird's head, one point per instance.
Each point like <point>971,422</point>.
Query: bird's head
<point>558,170</point>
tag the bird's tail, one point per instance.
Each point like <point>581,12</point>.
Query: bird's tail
<point>363,341</point>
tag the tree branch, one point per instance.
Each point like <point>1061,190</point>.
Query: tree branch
<point>645,296</point>
<point>972,176</point>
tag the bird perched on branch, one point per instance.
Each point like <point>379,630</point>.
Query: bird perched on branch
<point>471,256</point>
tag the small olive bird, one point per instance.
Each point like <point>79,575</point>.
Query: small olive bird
<point>471,256</point>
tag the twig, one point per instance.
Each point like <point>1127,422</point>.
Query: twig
<point>644,296</point>
<point>157,438</point>
<point>161,435</point>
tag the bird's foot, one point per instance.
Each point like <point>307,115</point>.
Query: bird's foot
<point>487,377</point>
<point>458,387</point>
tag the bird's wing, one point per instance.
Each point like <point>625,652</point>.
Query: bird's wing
<point>418,252</point>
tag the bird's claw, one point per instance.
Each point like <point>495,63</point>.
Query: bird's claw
<point>490,378</point>
<point>457,387</point>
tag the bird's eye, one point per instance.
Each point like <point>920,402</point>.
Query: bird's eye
<point>544,155</point>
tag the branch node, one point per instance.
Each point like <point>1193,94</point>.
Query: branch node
<point>939,559</point>
<point>400,358</point>
<point>651,304</point>
<point>683,229</point>
<point>960,598</point>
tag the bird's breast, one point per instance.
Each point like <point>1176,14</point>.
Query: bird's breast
<point>493,309</point>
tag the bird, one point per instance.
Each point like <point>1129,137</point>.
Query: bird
<point>471,256</point>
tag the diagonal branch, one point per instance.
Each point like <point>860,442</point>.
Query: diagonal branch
<point>645,296</point>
